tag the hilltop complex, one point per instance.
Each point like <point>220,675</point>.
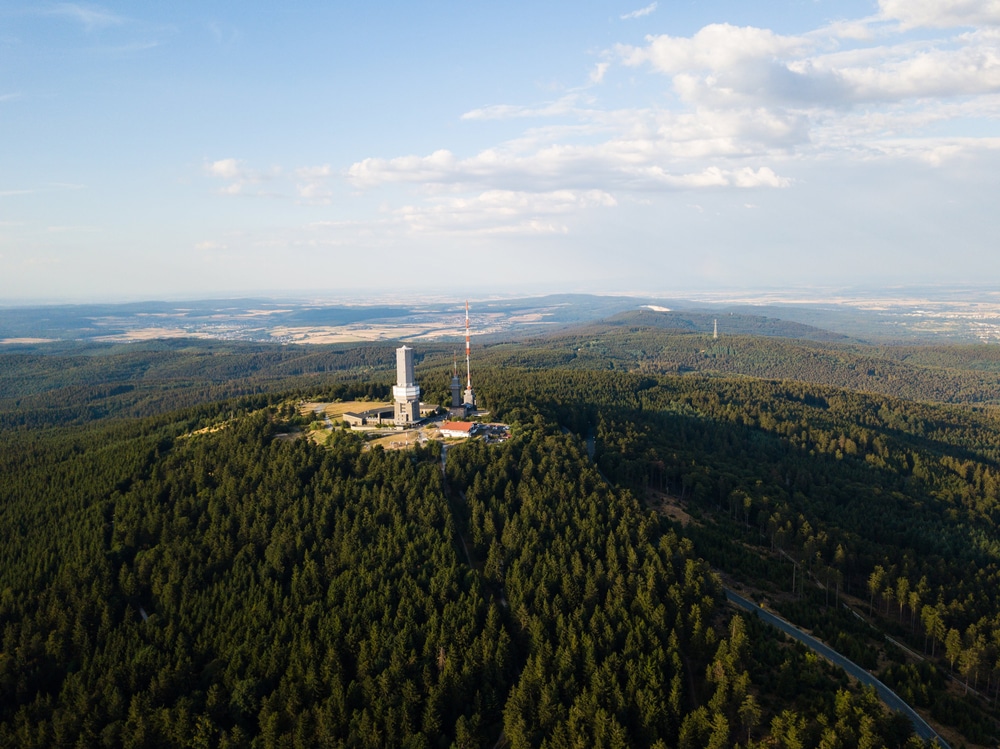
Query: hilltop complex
<point>406,407</point>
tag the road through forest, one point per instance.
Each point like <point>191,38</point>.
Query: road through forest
<point>889,697</point>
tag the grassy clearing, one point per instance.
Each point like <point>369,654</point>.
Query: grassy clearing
<point>398,440</point>
<point>336,410</point>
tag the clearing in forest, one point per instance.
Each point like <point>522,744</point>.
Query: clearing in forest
<point>334,410</point>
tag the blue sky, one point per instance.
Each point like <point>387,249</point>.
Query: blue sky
<point>188,149</point>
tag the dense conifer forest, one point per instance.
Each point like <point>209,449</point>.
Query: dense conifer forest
<point>181,568</point>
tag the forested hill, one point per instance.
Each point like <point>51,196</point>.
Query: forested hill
<point>227,588</point>
<point>80,382</point>
<point>218,574</point>
<point>808,491</point>
<point>200,578</point>
<point>959,374</point>
<point>729,323</point>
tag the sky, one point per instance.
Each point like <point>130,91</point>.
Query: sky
<point>194,149</point>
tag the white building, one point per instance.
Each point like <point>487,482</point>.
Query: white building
<point>457,428</point>
<point>470,394</point>
<point>406,392</point>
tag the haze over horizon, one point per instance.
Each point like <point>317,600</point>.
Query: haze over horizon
<point>182,151</point>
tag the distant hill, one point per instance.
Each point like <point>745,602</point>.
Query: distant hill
<point>659,343</point>
<point>315,321</point>
<point>729,324</point>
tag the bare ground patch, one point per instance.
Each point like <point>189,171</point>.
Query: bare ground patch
<point>669,506</point>
<point>206,430</point>
<point>398,440</point>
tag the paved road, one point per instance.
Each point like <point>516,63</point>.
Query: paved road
<point>890,698</point>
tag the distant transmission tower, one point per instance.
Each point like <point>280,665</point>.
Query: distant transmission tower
<point>456,385</point>
<point>715,331</point>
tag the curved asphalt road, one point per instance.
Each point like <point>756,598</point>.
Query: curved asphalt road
<point>890,698</point>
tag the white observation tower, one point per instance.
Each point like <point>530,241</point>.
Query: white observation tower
<point>470,394</point>
<point>406,392</point>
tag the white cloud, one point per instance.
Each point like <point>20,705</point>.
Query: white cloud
<point>714,176</point>
<point>239,176</point>
<point>91,17</point>
<point>907,71</point>
<point>656,155</point>
<point>763,177</point>
<point>314,172</point>
<point>932,151</point>
<point>639,13</point>
<point>852,29</point>
<point>941,13</point>
<point>434,168</point>
<point>597,74</point>
<point>715,47</point>
<point>726,66</point>
<point>564,106</point>
<point>312,184</point>
<point>210,245</point>
<point>504,212</point>
<point>315,194</point>
<point>817,94</point>
<point>226,168</point>
<point>743,108</point>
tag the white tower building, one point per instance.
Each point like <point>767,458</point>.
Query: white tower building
<point>470,394</point>
<point>406,392</point>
